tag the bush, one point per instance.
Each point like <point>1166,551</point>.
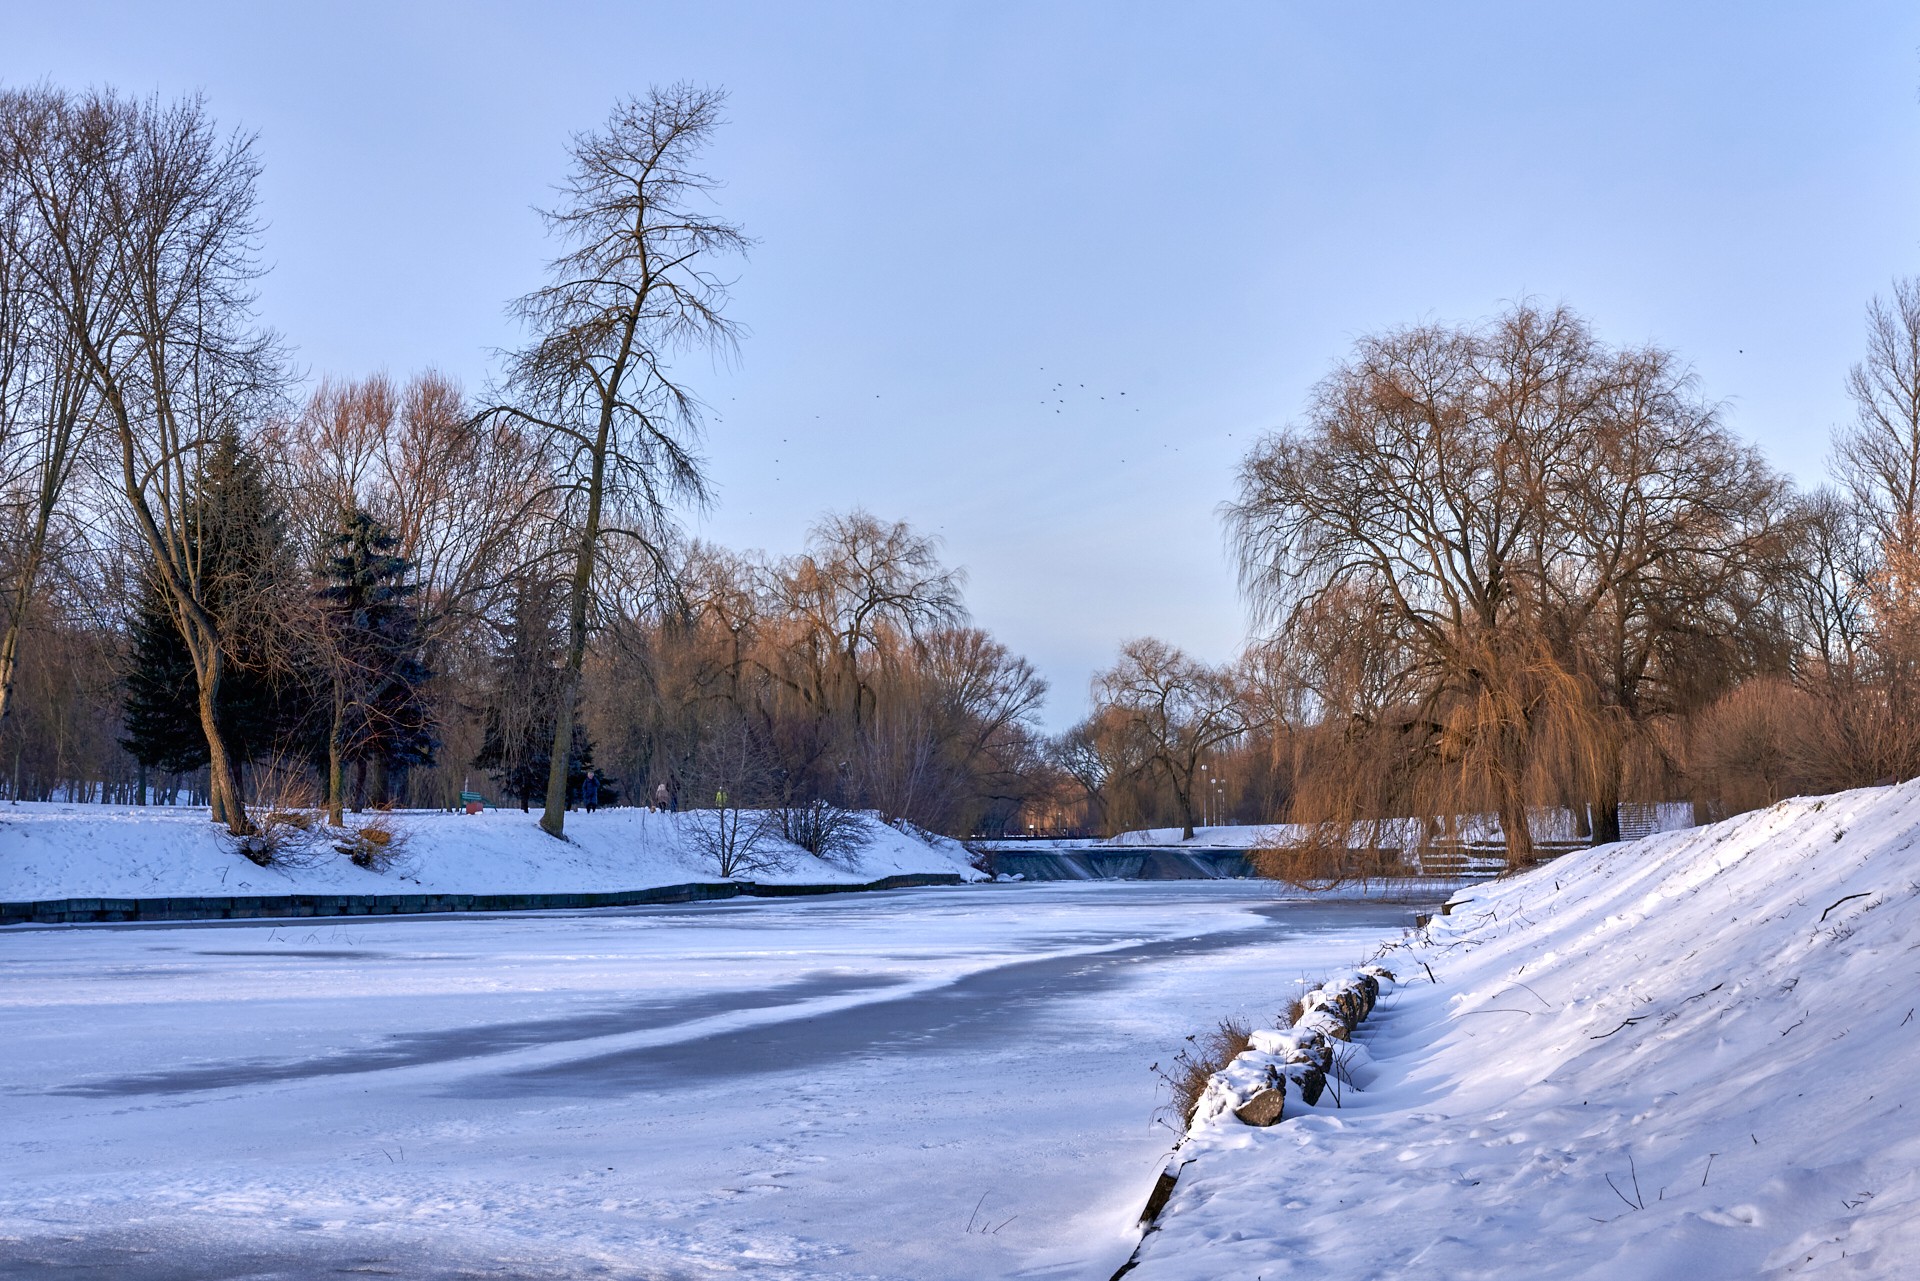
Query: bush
<point>284,822</point>
<point>1205,1053</point>
<point>734,840</point>
<point>823,829</point>
<point>378,844</point>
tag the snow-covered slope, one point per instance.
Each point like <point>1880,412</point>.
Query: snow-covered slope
<point>51,851</point>
<point>1695,1056</point>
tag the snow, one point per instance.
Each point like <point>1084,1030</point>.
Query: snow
<point>52,851</point>
<point>941,1084</point>
<point>1686,1057</point>
<point>1546,825</point>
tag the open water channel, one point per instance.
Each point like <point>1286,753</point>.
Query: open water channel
<point>939,1084</point>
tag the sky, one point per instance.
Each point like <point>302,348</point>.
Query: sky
<point>1033,277</point>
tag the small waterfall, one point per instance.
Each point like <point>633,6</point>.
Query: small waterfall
<point>1132,864</point>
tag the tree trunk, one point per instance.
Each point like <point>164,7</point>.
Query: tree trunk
<point>1606,822</point>
<point>1606,804</point>
<point>1515,827</point>
<point>336,763</point>
<point>223,783</point>
<point>554,820</point>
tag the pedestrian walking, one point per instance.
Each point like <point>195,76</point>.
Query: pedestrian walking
<point>590,791</point>
<point>660,798</point>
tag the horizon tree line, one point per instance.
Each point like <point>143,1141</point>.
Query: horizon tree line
<point>1499,568</point>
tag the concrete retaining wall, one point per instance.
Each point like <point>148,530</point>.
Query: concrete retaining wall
<point>70,911</point>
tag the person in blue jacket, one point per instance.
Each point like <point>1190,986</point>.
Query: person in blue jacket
<point>590,790</point>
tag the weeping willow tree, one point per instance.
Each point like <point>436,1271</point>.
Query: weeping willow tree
<point>1496,555</point>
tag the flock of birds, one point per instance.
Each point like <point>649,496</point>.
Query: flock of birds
<point>1056,399</point>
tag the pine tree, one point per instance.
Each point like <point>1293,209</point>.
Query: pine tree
<point>517,749</point>
<point>161,716</point>
<point>241,547</point>
<point>380,720</point>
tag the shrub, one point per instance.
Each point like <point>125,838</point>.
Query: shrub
<point>823,829</point>
<point>284,824</point>
<point>733,840</point>
<point>1204,1054</point>
<point>377,844</point>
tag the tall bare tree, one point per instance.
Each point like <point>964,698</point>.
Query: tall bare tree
<point>1878,457</point>
<point>148,219</point>
<point>635,286</point>
<point>45,407</point>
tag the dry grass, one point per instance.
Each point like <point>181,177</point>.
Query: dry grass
<point>377,844</point>
<point>284,823</point>
<point>1204,1054</point>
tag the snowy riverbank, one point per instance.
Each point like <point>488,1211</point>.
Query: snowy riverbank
<point>1691,1056</point>
<point>54,851</point>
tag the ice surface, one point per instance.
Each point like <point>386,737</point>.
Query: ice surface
<point>945,1083</point>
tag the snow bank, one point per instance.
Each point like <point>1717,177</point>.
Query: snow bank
<point>1686,1057</point>
<point>53,851</point>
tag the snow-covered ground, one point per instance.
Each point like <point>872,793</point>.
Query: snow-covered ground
<point>50,851</point>
<point>947,1083</point>
<point>1689,1057</point>
<point>1547,825</point>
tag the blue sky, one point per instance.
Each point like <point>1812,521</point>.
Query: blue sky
<point>960,206</point>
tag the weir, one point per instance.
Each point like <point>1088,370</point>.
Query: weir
<point>1132,863</point>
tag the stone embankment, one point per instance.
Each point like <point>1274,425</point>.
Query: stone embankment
<point>1279,1073</point>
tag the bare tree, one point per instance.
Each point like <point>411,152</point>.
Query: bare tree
<point>45,406</point>
<point>148,220</point>
<point>634,287</point>
<point>861,579</point>
<point>1416,486</point>
<point>1175,709</point>
<point>1878,457</point>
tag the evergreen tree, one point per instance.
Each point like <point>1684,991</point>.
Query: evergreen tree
<point>517,749</point>
<point>240,545</point>
<point>160,713</point>
<point>380,719</point>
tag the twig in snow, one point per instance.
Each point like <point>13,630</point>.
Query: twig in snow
<point>1536,996</point>
<point>1704,1177</point>
<point>1803,1019</point>
<point>1909,1018</point>
<point>1849,898</point>
<point>1631,1204</point>
<point>976,1212</point>
<point>1627,1023</point>
<point>1429,970</point>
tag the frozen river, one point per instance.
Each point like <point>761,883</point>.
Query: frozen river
<point>944,1084</point>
